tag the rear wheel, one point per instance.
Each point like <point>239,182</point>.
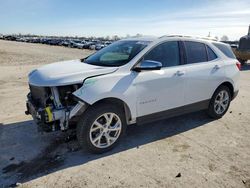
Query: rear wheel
<point>101,128</point>
<point>220,102</point>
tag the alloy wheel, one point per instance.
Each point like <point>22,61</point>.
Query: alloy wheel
<point>105,130</point>
<point>221,102</point>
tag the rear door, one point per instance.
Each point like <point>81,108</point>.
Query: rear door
<point>204,72</point>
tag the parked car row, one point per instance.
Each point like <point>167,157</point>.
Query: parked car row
<point>67,42</point>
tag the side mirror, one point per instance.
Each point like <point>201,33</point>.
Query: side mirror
<point>148,65</point>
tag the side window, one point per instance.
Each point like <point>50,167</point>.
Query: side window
<point>225,49</point>
<point>167,53</point>
<point>195,52</point>
<point>210,53</point>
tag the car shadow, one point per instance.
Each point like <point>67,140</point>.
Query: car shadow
<point>27,154</point>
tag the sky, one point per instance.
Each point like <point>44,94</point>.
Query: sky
<point>101,18</point>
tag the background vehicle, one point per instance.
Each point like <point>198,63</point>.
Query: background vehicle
<point>64,43</point>
<point>106,43</point>
<point>99,46</point>
<point>243,51</point>
<point>93,44</point>
<point>87,44</point>
<point>77,44</point>
<point>132,81</point>
<point>9,37</point>
<point>53,41</point>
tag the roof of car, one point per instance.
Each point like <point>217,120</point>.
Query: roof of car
<point>144,38</point>
<point>175,37</point>
<point>205,40</point>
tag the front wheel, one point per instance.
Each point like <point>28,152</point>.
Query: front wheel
<point>220,102</point>
<point>101,128</point>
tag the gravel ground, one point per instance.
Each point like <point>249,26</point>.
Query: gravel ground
<point>186,151</point>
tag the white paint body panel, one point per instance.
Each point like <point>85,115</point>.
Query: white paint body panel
<point>145,92</point>
<point>120,86</point>
<point>159,90</point>
<point>65,73</point>
<point>202,79</point>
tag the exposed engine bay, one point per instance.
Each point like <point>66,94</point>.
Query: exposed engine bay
<point>55,99</point>
<point>54,108</point>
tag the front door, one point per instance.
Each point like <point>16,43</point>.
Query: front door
<point>160,90</point>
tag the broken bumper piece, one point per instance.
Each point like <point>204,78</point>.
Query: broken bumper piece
<point>50,119</point>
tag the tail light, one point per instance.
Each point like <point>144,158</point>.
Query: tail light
<point>238,65</point>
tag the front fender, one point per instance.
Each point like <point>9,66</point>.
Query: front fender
<point>120,86</point>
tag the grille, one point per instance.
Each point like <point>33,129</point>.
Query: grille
<point>39,95</point>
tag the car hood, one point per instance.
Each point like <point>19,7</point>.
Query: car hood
<point>66,73</point>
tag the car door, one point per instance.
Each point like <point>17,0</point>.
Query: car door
<point>160,90</point>
<point>204,72</point>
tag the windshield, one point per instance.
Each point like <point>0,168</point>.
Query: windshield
<point>117,54</point>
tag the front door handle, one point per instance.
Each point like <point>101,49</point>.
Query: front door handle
<point>180,73</point>
<point>216,67</point>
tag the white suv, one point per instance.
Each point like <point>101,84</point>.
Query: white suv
<point>132,81</point>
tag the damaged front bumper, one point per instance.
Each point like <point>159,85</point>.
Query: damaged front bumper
<point>52,119</point>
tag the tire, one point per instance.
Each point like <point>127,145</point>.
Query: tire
<point>213,111</point>
<point>95,117</point>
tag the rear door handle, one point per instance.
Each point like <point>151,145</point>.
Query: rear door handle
<point>180,73</point>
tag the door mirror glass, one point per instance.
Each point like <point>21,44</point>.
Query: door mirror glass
<point>148,65</point>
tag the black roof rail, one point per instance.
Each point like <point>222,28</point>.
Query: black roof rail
<point>205,38</point>
<point>174,36</point>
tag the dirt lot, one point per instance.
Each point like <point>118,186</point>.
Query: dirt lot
<point>187,151</point>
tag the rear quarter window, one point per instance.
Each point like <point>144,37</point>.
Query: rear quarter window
<point>225,49</point>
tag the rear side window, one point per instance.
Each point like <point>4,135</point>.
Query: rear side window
<point>167,53</point>
<point>210,53</point>
<point>195,52</point>
<point>225,50</point>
